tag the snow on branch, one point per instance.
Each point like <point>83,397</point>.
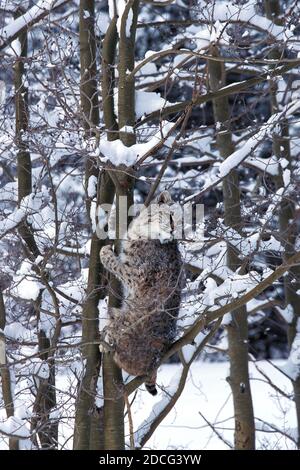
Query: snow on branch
<point>14,427</point>
<point>228,90</point>
<point>9,32</point>
<point>266,165</point>
<point>237,157</point>
<point>29,205</point>
<point>247,246</point>
<point>230,12</point>
<point>160,410</point>
<point>214,313</point>
<point>171,393</point>
<point>262,426</point>
<point>117,153</point>
<point>125,16</point>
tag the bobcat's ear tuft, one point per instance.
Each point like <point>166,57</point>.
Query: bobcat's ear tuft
<point>164,198</point>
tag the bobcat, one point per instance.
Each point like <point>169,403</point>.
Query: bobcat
<point>150,271</point>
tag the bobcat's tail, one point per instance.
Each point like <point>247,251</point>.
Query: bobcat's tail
<point>151,388</point>
<point>150,384</point>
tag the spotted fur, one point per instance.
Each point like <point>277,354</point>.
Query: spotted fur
<point>150,271</point>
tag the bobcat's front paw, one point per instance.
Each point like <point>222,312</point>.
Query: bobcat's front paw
<point>106,344</point>
<point>105,347</point>
<point>105,254</point>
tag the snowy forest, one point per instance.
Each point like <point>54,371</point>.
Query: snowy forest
<point>103,100</point>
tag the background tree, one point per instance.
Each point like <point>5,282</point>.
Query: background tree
<point>96,100</point>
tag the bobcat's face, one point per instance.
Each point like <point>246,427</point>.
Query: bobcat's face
<point>159,221</point>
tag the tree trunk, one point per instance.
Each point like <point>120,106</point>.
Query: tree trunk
<point>86,415</point>
<point>89,419</point>
<point>108,79</point>
<point>7,392</point>
<point>89,100</point>
<point>244,435</point>
<point>288,235</point>
<point>45,426</point>
<point>126,99</point>
<point>23,156</point>
<point>287,223</point>
<point>112,375</point>
<point>46,396</point>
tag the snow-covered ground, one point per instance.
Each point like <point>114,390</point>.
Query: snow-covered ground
<point>208,393</point>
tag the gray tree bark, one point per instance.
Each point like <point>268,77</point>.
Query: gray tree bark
<point>89,431</point>
<point>244,435</point>
<point>5,374</point>
<point>89,99</point>
<point>112,375</point>
<point>287,210</point>
<point>46,398</point>
<point>23,156</point>
<point>88,419</point>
